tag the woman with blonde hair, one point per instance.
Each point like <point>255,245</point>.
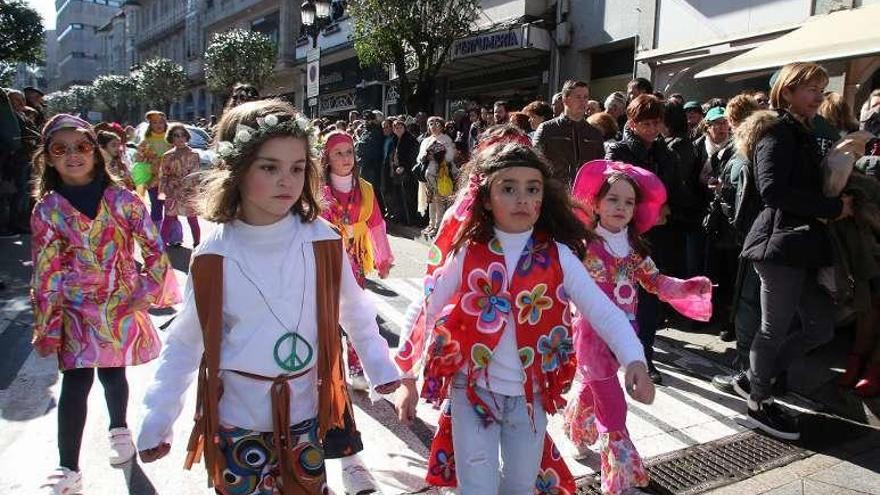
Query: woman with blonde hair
<point>788,241</point>
<point>838,113</point>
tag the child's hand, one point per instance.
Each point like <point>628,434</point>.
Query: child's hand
<point>405,400</point>
<point>638,384</point>
<point>155,453</point>
<point>387,388</point>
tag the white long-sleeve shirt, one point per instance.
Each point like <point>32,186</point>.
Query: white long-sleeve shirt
<point>505,373</point>
<point>266,269</point>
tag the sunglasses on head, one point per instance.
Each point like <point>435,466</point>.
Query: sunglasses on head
<point>59,149</point>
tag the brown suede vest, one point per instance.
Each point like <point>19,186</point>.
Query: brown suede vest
<point>333,401</point>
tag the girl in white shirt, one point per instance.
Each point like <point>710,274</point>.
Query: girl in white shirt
<point>496,329</point>
<point>266,338</point>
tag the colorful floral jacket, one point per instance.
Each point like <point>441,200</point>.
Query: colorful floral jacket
<point>464,337</point>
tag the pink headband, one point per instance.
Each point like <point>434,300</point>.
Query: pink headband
<point>335,139</point>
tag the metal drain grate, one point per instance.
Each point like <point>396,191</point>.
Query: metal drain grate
<point>702,467</point>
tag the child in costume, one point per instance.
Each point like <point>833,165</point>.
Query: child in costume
<point>113,153</point>
<point>176,188</point>
<point>351,206</point>
<point>148,160</point>
<point>500,345</point>
<point>89,297</point>
<point>267,292</point>
<point>625,201</point>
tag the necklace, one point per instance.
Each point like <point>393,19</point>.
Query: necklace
<point>292,352</point>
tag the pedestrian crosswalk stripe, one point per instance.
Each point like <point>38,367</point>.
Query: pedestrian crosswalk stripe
<point>401,287</point>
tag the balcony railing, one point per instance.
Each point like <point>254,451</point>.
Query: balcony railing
<point>168,22</point>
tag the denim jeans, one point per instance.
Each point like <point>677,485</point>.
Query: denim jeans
<point>785,292</point>
<point>477,447</point>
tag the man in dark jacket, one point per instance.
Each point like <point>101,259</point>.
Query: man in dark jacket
<point>568,141</point>
<point>370,150</point>
<point>403,188</point>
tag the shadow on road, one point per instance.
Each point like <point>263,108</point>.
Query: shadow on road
<point>136,480</point>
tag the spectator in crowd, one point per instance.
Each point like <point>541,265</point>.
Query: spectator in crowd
<point>568,141</point>
<point>715,103</point>
<point>401,160</point>
<point>676,98</point>
<point>369,149</point>
<point>838,114</point>
<point>538,112</point>
<point>606,124</point>
<point>593,106</point>
<point>638,86</point>
<point>746,303</point>
<point>501,112</point>
<point>242,93</point>
<point>353,116</point>
<point>434,151</point>
<point>34,98</point>
<point>660,96</point>
<point>693,111</point>
<point>475,128</point>
<point>642,146</point>
<point>871,105</point>
<point>19,168</point>
<point>487,116</point>
<point>762,99</point>
<point>687,202</point>
<point>615,105</point>
<point>788,242</point>
<point>556,103</point>
<point>521,121</point>
<point>10,141</point>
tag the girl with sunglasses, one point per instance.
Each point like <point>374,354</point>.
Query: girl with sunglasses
<point>90,298</point>
<point>176,186</point>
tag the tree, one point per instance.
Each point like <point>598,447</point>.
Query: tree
<point>21,33</point>
<point>419,31</point>
<point>77,100</point>
<point>116,94</point>
<point>160,81</point>
<point>239,56</point>
<point>7,73</point>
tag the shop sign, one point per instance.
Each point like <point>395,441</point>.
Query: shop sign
<point>498,41</point>
<point>337,102</point>
<point>313,71</point>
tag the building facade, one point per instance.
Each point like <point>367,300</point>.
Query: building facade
<point>78,48</point>
<point>681,41</point>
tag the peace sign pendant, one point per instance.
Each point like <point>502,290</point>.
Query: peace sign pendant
<point>292,352</point>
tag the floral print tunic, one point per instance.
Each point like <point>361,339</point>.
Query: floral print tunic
<point>85,278</point>
<point>176,181</point>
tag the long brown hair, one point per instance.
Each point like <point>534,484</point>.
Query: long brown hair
<point>47,179</point>
<point>221,196</point>
<point>636,241</point>
<point>557,218</point>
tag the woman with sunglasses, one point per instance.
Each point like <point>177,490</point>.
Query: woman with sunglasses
<point>176,186</point>
<point>90,297</point>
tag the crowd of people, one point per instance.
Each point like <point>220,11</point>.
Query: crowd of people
<point>563,236</point>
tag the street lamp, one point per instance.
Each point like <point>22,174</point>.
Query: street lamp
<point>316,15</point>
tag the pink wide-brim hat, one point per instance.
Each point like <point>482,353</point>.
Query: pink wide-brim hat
<point>592,175</point>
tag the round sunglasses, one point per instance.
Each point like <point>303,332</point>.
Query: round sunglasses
<point>58,149</point>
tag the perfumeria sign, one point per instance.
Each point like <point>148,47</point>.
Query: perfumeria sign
<point>487,43</point>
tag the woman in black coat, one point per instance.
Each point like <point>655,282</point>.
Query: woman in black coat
<point>399,162</point>
<point>788,243</point>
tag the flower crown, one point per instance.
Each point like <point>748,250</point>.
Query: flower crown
<point>272,125</point>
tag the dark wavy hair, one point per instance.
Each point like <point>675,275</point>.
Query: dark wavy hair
<point>557,217</point>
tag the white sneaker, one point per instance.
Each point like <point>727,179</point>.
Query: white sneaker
<point>359,382</point>
<point>62,481</point>
<point>121,447</point>
<point>356,479</point>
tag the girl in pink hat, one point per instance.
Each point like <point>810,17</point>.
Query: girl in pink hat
<point>624,202</point>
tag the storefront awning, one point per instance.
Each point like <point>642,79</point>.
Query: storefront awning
<point>839,35</point>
